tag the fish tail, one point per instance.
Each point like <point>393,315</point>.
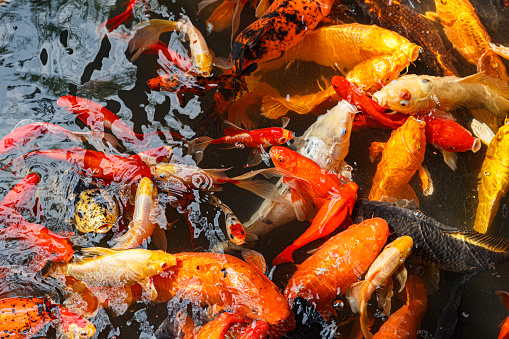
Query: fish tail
<point>273,108</point>
<point>285,256</point>
<point>353,295</point>
<point>504,297</point>
<point>501,50</point>
<point>221,18</point>
<point>263,189</point>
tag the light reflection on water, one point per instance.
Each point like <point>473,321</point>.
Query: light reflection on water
<point>55,51</point>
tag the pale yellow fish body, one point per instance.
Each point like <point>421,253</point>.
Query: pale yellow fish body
<point>120,268</point>
<point>384,266</point>
<point>494,178</point>
<point>144,217</point>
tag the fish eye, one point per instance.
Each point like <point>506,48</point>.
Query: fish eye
<point>452,148</point>
<point>231,236</point>
<point>403,103</point>
<point>282,140</point>
<point>444,2</point>
<point>80,214</point>
<point>164,265</point>
<point>162,176</point>
<point>281,159</point>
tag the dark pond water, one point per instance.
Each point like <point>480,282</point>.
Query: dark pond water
<point>50,48</point>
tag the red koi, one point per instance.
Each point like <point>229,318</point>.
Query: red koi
<point>21,193</point>
<point>100,165</point>
<point>97,117</point>
<point>504,331</point>
<point>349,92</point>
<point>337,264</point>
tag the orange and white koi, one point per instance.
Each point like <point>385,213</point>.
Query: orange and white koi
<point>337,264</point>
<point>384,266</point>
<point>402,156</point>
<point>234,228</point>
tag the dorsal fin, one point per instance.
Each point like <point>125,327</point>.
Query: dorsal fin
<point>494,244</point>
<point>482,78</point>
<point>233,129</point>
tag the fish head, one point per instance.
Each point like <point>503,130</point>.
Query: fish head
<point>404,245</point>
<point>52,246</point>
<point>158,262</point>
<point>72,326</point>
<point>163,172</point>
<point>409,94</point>
<point>413,135</point>
<point>284,158</point>
<point>95,211</point>
<point>341,86</point>
<point>203,63</point>
<point>280,136</point>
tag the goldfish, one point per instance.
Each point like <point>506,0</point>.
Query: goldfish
<point>413,93</point>
<point>402,156</point>
<point>234,228</point>
<point>405,322</point>
<point>494,179</point>
<point>210,179</point>
<point>284,25</point>
<point>95,210</point>
<point>504,326</point>
<point>333,212</point>
<point>146,33</point>
<point>258,139</point>
<point>398,16</point>
<point>337,264</point>
<point>467,34</point>
<point>391,258</point>
<point>106,268</point>
<point>147,216</point>
<point>450,250</point>
<point>108,167</point>
<point>98,117</point>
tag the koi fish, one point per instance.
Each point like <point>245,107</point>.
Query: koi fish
<point>467,34</point>
<point>217,328</point>
<point>349,92</point>
<point>234,228</point>
<point>284,25</point>
<point>413,93</point>
<point>72,326</point>
<point>258,139</point>
<point>384,266</point>
<point>95,210</point>
<point>332,214</point>
<point>402,156</point>
<point>105,267</point>
<point>405,322</point>
<point>444,247</point>
<point>210,179</point>
<point>494,179</point>
<point>19,195</point>
<point>399,17</point>
<point>97,117</point>
<point>146,33</point>
<point>147,216</point>
<point>154,156</point>
<point>337,264</point>
<point>108,167</point>
<point>448,136</point>
<point>504,326</point>
<point>24,134</point>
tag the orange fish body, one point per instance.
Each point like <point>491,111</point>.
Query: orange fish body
<point>467,34</point>
<point>405,322</point>
<point>21,318</point>
<point>20,193</point>
<point>338,263</point>
<point>401,158</point>
<point>329,217</point>
<point>283,25</point>
<point>504,327</point>
<point>217,328</point>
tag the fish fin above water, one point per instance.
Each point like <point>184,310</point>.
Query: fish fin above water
<point>501,50</point>
<point>271,108</point>
<point>482,131</point>
<point>427,183</point>
<point>494,244</point>
<point>450,158</point>
<point>375,150</point>
<point>255,259</point>
<point>384,297</point>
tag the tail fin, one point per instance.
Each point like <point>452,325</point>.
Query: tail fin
<point>272,108</point>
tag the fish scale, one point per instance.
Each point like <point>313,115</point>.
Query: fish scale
<point>447,248</point>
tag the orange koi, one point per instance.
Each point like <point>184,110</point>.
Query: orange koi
<point>467,34</point>
<point>108,167</point>
<point>284,25</point>
<point>401,158</point>
<point>504,331</point>
<point>405,322</point>
<point>332,214</point>
<point>18,195</point>
<point>217,328</point>
<point>337,264</point>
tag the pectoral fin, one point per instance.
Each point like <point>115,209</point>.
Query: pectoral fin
<point>427,184</point>
<point>384,297</point>
<point>375,150</point>
<point>149,290</point>
<point>450,158</point>
<point>401,275</point>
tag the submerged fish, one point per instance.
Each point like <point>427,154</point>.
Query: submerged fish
<point>447,248</point>
<point>413,93</point>
<point>494,177</point>
<point>95,211</point>
<point>504,331</point>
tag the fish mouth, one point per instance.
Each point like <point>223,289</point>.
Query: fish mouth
<point>476,145</point>
<point>380,101</point>
<point>104,228</point>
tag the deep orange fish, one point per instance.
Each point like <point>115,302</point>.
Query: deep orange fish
<point>504,331</point>
<point>401,158</point>
<point>217,328</point>
<point>405,322</point>
<point>282,26</point>
<point>337,264</point>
